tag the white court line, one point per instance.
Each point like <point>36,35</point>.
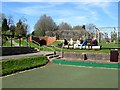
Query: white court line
<point>89,67</point>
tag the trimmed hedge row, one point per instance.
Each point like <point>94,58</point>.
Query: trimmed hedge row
<point>19,64</point>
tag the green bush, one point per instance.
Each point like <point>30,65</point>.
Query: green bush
<point>14,65</point>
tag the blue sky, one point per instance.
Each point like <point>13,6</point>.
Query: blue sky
<point>102,14</point>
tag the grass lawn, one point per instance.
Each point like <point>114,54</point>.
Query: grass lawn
<point>49,48</point>
<point>7,44</point>
<point>56,42</point>
<point>110,45</point>
<point>23,42</point>
<point>104,45</point>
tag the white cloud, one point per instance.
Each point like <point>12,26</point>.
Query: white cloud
<point>110,14</point>
<point>67,15</point>
<point>35,10</point>
<point>94,15</point>
<point>89,7</point>
<point>81,13</point>
<point>88,10</point>
<point>26,10</point>
<point>105,7</point>
<point>77,20</point>
<point>49,9</point>
<point>31,10</point>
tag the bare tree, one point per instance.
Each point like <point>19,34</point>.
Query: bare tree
<point>77,27</point>
<point>10,20</point>
<point>2,16</point>
<point>113,36</point>
<point>65,26</point>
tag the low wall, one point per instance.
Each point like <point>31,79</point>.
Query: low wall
<point>48,40</point>
<point>89,56</point>
<point>14,50</point>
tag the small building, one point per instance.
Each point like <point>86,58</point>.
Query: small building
<point>75,34</point>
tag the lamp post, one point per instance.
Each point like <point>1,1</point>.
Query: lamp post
<point>11,40</point>
<point>11,36</point>
<point>27,39</point>
<point>20,36</point>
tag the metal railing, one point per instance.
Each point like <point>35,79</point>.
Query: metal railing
<point>61,50</point>
<point>28,44</point>
<point>50,49</point>
<point>36,43</point>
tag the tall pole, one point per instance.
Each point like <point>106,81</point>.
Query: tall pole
<point>27,41</point>
<point>11,41</point>
<point>19,41</point>
<point>98,37</point>
<point>95,33</point>
<point>2,40</point>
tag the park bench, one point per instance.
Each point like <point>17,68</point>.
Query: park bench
<point>88,46</point>
<point>92,47</point>
<point>83,47</point>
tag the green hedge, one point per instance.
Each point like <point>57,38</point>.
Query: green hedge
<point>14,65</point>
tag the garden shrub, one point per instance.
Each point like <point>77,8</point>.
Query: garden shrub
<point>18,64</point>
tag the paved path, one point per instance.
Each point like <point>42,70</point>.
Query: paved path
<point>13,42</point>
<point>25,55</point>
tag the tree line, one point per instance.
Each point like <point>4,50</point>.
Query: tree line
<point>46,23</point>
<point>10,30</point>
<point>16,30</point>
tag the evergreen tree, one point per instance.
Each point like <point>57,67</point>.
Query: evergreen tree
<point>5,26</point>
<point>21,29</point>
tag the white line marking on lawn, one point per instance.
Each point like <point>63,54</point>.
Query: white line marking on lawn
<point>90,67</point>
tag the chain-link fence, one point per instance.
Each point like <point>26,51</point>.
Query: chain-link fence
<point>104,34</point>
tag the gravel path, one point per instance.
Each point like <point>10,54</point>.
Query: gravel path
<point>25,55</point>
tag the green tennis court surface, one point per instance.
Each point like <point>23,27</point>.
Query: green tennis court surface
<point>61,76</point>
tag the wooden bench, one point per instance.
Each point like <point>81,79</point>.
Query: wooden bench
<point>83,47</point>
<point>69,46</point>
<point>92,47</point>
